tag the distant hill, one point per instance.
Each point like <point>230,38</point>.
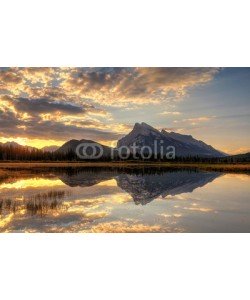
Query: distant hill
<point>185,145</point>
<point>245,155</point>
<point>71,146</point>
<point>15,145</point>
<point>238,158</point>
<point>52,148</point>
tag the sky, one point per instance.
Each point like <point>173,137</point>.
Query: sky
<point>49,106</point>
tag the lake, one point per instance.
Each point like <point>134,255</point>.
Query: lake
<point>125,200</point>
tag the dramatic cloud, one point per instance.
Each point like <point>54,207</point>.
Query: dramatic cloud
<point>64,103</point>
<point>11,127</point>
<point>8,121</point>
<point>104,103</point>
<point>9,77</point>
<point>39,106</point>
<point>123,86</point>
<point>49,119</point>
<point>105,86</point>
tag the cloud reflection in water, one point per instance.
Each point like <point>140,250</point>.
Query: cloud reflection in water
<point>123,200</point>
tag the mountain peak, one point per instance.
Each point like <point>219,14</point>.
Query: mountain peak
<point>15,145</point>
<point>138,125</point>
<point>176,134</point>
<point>185,145</point>
<point>12,143</point>
<point>144,127</point>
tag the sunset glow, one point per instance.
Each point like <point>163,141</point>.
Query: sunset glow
<point>48,106</point>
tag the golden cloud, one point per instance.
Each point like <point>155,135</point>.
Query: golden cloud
<point>58,103</point>
<point>195,121</point>
<point>126,86</point>
<point>170,113</point>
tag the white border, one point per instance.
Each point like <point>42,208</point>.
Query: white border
<point>124,33</point>
<point>125,266</point>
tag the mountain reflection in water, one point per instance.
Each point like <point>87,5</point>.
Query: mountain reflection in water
<point>103,200</point>
<point>146,185</point>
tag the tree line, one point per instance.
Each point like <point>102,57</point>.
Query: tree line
<point>23,153</point>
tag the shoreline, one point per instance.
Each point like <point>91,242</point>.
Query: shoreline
<point>221,167</point>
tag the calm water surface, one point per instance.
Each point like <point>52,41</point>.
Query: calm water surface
<point>115,200</point>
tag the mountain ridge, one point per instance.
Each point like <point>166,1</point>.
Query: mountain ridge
<point>185,145</point>
<point>142,135</point>
<point>51,148</point>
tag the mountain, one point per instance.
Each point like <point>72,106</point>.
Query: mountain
<point>185,145</point>
<point>52,148</point>
<point>142,135</point>
<point>15,145</point>
<point>12,144</point>
<point>71,146</point>
<point>189,140</point>
<point>242,156</point>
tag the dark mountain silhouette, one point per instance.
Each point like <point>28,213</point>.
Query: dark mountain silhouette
<point>186,148</point>
<point>13,145</point>
<point>238,157</point>
<point>71,146</point>
<point>185,145</point>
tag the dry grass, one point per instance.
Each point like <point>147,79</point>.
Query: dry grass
<point>2,173</point>
<point>20,168</point>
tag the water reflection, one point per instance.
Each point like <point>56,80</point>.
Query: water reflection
<point>143,185</point>
<point>145,189</point>
<point>103,200</point>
